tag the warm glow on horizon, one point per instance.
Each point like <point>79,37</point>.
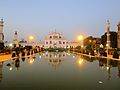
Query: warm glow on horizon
<point>31,37</point>
<point>80,37</point>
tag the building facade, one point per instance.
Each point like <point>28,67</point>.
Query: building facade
<point>55,40</point>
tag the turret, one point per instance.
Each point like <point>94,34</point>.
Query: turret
<point>1,34</point>
<point>16,43</point>
<point>1,31</point>
<point>108,34</point>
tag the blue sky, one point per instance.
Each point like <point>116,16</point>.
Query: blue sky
<point>71,17</point>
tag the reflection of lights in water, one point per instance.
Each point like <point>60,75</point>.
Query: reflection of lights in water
<point>80,61</point>
<point>10,68</point>
<point>31,61</point>
<point>68,54</point>
<point>11,45</point>
<point>55,56</point>
<point>107,68</point>
<point>73,56</point>
<point>100,82</point>
<point>39,56</point>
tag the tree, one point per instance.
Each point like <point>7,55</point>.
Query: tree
<point>113,39</point>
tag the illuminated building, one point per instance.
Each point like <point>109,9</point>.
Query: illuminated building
<point>55,40</point>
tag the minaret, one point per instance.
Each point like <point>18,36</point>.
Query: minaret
<point>16,39</point>
<point>1,34</point>
<point>108,34</point>
<point>118,36</point>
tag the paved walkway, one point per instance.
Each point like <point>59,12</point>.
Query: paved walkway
<point>5,57</point>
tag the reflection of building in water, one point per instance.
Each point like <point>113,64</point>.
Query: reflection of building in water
<point>17,63</point>
<point>109,64</point>
<point>55,58</point>
<point>119,68</point>
<point>108,67</point>
<point>1,66</point>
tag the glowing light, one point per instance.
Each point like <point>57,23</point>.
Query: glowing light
<point>73,56</point>
<point>55,56</point>
<point>39,56</point>
<point>82,46</point>
<point>10,68</point>
<point>107,45</point>
<point>100,82</point>
<point>10,44</point>
<point>31,61</point>
<point>90,41</point>
<point>31,37</point>
<point>80,37</point>
<point>101,46</point>
<point>80,61</point>
<point>107,68</point>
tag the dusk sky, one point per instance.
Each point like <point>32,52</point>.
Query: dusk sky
<point>39,17</point>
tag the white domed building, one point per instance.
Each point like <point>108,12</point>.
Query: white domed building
<point>55,40</point>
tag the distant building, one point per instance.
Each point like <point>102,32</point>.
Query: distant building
<point>73,44</point>
<point>1,34</point>
<point>55,40</point>
<point>16,42</point>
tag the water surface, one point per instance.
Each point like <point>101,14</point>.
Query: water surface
<point>60,71</point>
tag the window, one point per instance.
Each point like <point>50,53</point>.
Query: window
<point>63,42</point>
<point>59,36</point>
<point>46,42</point>
<point>55,37</point>
<point>50,37</point>
<point>50,42</point>
<point>59,42</point>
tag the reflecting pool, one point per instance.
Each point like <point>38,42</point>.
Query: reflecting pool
<point>60,71</point>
